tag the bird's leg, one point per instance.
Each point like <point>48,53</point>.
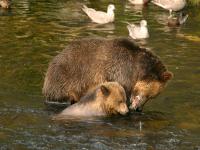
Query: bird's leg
<point>170,13</point>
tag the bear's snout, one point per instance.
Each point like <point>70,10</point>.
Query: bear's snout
<point>123,109</point>
<point>137,103</point>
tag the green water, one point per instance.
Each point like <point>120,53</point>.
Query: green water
<point>33,32</point>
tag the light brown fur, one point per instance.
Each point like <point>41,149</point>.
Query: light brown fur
<point>145,90</point>
<point>107,99</point>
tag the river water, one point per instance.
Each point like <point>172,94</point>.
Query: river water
<point>33,32</point>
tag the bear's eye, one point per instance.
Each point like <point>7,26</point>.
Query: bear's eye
<point>148,96</point>
<point>120,101</point>
<point>135,92</point>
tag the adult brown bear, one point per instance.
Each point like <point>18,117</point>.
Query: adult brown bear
<point>87,63</point>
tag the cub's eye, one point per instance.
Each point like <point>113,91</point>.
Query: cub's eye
<point>120,101</point>
<point>135,92</point>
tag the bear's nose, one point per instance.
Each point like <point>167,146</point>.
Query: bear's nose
<point>124,109</point>
<point>138,109</point>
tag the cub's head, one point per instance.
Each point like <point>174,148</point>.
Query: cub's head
<point>148,88</point>
<point>113,98</point>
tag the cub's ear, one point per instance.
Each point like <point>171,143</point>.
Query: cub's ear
<point>167,75</point>
<point>104,90</point>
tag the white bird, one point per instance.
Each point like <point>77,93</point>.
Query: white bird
<point>5,3</point>
<point>138,31</point>
<point>171,5</point>
<point>138,2</point>
<point>99,16</point>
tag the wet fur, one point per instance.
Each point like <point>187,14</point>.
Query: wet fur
<point>105,100</point>
<point>86,63</point>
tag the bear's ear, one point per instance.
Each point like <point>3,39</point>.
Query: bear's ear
<point>104,90</point>
<point>167,76</point>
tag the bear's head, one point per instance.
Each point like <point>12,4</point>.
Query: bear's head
<point>152,79</point>
<point>145,90</point>
<point>113,98</point>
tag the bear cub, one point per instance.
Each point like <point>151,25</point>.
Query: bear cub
<point>106,99</point>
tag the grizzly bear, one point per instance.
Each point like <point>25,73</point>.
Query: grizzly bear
<point>106,99</point>
<point>87,63</point>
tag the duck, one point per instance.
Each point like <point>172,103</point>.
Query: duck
<point>171,5</point>
<point>138,31</point>
<point>177,21</point>
<point>5,3</point>
<point>138,2</point>
<point>100,17</point>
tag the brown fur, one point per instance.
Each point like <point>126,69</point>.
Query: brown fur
<point>86,63</point>
<point>107,99</point>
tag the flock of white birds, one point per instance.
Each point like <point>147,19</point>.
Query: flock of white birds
<point>139,31</point>
<point>135,31</point>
